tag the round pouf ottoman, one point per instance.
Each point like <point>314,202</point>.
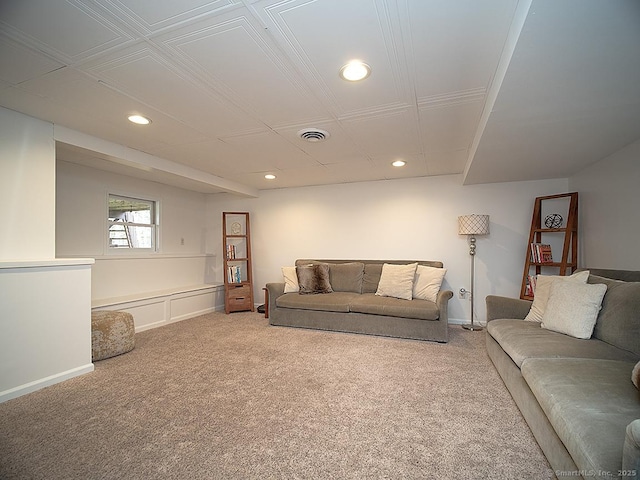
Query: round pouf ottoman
<point>112,333</point>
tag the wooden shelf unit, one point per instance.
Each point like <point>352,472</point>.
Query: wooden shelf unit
<point>569,258</point>
<point>238,273</point>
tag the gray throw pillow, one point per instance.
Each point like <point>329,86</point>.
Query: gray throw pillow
<point>314,279</point>
<point>619,320</point>
<point>346,277</point>
<point>371,277</point>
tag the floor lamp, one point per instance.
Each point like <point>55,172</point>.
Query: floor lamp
<point>473,225</point>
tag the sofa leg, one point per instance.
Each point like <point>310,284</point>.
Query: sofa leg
<point>266,303</point>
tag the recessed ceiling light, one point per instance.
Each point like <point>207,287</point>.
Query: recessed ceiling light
<point>270,176</point>
<point>399,163</point>
<point>355,70</point>
<point>139,119</point>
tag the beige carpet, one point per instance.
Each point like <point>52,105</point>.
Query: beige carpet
<point>228,396</point>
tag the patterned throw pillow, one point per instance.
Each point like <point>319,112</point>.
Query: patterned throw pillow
<point>314,279</point>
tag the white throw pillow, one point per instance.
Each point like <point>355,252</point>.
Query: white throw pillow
<point>290,280</point>
<point>573,308</point>
<point>635,375</point>
<point>543,287</point>
<point>427,282</point>
<point>397,281</point>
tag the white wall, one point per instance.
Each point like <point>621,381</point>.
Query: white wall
<point>27,187</point>
<point>609,210</point>
<point>395,219</point>
<point>81,208</point>
<point>81,231</point>
<point>45,322</point>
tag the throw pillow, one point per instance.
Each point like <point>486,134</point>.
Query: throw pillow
<point>371,277</point>
<point>397,281</point>
<point>619,320</point>
<point>573,308</point>
<point>346,277</point>
<point>427,282</point>
<point>290,279</point>
<point>314,278</point>
<point>635,375</point>
<point>543,287</point>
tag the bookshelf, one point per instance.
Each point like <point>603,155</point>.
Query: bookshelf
<point>238,281</point>
<point>553,239</point>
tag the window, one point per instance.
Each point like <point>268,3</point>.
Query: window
<point>131,223</point>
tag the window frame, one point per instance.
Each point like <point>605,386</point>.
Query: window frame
<point>154,225</point>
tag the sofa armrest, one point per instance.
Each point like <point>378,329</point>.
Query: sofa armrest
<point>506,307</point>
<point>442,302</point>
<point>274,290</point>
<point>631,450</point>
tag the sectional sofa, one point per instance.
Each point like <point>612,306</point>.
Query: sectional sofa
<point>353,306</point>
<point>576,394</point>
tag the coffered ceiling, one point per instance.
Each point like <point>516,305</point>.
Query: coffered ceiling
<point>498,90</point>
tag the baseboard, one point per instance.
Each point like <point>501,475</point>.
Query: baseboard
<point>149,326</point>
<point>462,321</point>
<point>44,382</point>
<point>192,314</point>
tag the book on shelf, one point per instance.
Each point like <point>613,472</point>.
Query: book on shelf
<point>541,253</point>
<point>234,274</point>
<point>231,252</point>
<point>530,289</point>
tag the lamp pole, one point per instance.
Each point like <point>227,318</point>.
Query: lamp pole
<point>472,254</point>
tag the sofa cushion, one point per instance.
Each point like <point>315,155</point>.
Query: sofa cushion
<point>329,302</point>
<point>397,281</point>
<point>371,277</point>
<point>313,278</point>
<point>589,403</point>
<point>521,340</point>
<point>543,289</point>
<point>427,282</point>
<point>394,307</point>
<point>619,320</point>
<point>346,277</point>
<point>573,308</point>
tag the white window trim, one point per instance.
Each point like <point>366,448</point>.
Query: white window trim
<point>132,252</point>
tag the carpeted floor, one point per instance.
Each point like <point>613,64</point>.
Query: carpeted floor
<point>228,396</point>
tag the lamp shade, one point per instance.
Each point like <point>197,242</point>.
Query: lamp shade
<point>473,224</point>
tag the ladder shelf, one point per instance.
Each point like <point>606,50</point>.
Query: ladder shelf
<point>554,232</point>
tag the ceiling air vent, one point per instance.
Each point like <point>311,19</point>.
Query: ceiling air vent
<point>313,134</point>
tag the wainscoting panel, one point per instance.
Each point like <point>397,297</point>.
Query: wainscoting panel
<point>187,305</point>
<point>45,323</point>
<point>155,309</point>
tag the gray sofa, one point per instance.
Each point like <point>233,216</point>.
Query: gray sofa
<point>353,306</point>
<point>576,395</point>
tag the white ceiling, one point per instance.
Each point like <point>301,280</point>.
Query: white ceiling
<point>499,90</point>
